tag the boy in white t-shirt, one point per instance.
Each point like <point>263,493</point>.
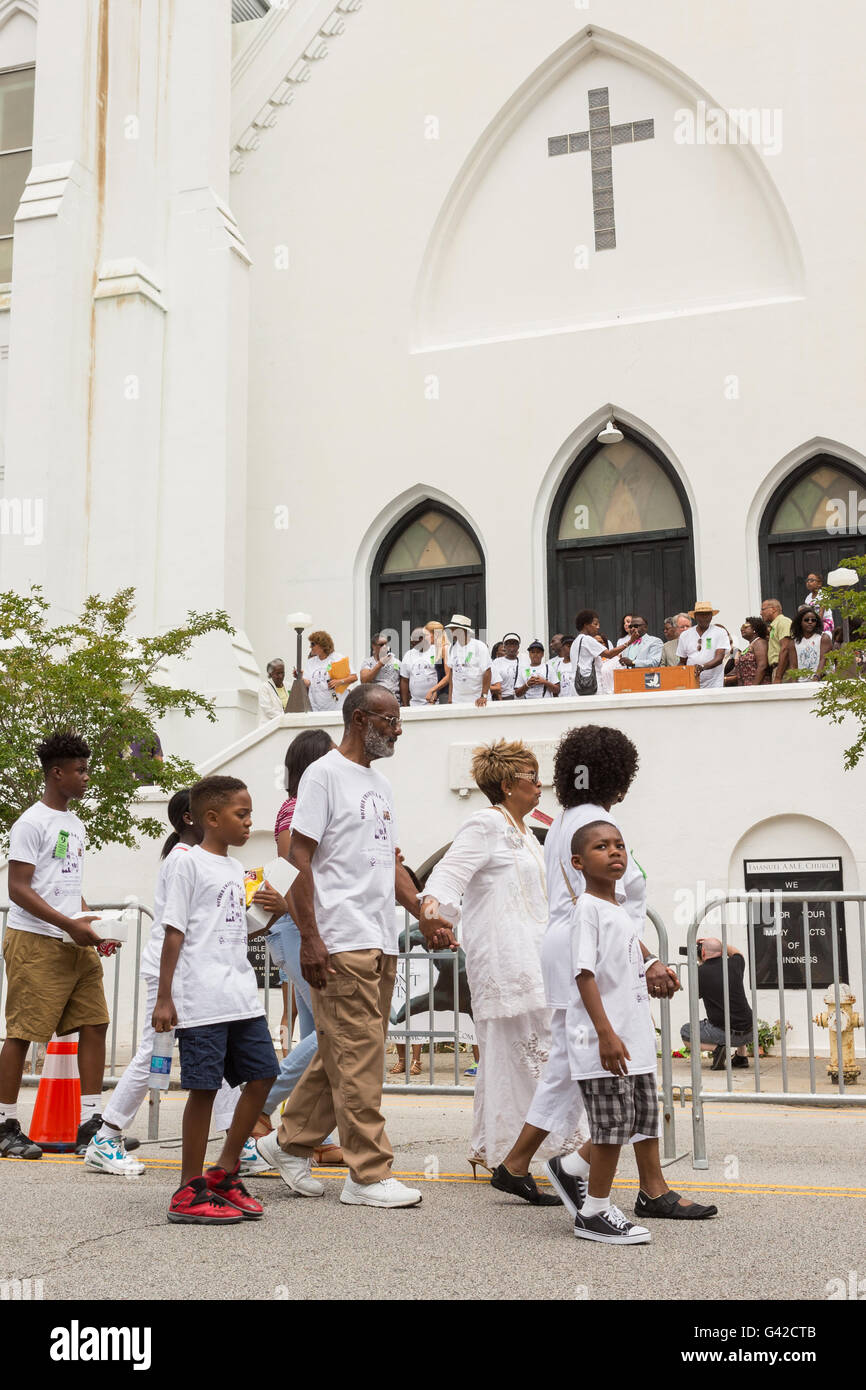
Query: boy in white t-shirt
<point>208,992</point>
<point>609,1027</point>
<point>54,974</point>
<point>611,1047</point>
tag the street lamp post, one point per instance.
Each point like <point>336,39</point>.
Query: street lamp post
<point>299,699</point>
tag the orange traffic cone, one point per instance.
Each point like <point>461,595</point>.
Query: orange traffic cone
<point>54,1125</point>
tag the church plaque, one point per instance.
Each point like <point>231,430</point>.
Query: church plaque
<point>798,876</point>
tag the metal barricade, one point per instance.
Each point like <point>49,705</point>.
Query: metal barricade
<point>31,1077</point>
<point>669,1137</point>
<point>771,901</point>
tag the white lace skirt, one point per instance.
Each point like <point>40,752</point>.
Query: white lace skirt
<point>513,1054</point>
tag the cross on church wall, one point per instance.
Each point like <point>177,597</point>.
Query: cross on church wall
<point>599,141</point>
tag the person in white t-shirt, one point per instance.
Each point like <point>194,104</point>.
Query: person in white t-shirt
<point>418,674</point>
<point>538,679</point>
<point>467,664</point>
<point>105,1153</point>
<point>383,667</point>
<point>505,669</point>
<point>705,645</point>
<point>207,990</point>
<point>344,844</point>
<point>326,694</point>
<point>588,652</point>
<point>611,1037</point>
<point>566,668</point>
<point>53,973</point>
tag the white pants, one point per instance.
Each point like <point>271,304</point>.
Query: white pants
<point>557,1105</point>
<point>131,1089</point>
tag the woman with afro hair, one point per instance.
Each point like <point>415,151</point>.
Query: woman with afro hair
<point>593,770</point>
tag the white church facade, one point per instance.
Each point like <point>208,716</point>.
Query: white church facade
<point>323,309</point>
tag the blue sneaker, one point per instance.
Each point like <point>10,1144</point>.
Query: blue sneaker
<point>471,1071</point>
<point>252,1161</point>
<point>110,1156</point>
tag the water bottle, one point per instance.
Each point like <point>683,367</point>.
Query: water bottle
<point>160,1061</point>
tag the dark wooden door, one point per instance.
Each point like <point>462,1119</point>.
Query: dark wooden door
<point>789,559</point>
<point>402,602</point>
<point>651,575</point>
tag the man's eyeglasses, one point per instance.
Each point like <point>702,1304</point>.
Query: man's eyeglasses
<point>392,720</point>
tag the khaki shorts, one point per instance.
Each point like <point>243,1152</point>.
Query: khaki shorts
<point>53,986</point>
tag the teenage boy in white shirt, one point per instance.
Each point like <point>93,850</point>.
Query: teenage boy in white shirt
<point>467,665</point>
<point>208,992</point>
<point>344,844</point>
<point>705,645</point>
<point>54,975</point>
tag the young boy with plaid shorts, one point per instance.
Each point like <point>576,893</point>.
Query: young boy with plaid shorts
<point>611,1036</point>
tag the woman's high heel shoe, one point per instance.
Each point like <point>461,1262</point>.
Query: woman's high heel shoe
<point>476,1162</point>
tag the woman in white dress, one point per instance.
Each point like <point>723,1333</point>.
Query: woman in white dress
<point>495,869</point>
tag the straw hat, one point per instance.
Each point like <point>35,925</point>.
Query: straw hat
<point>703,608</point>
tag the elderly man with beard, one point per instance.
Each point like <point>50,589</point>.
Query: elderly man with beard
<point>344,845</point>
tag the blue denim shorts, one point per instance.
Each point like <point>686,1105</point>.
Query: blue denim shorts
<point>239,1051</point>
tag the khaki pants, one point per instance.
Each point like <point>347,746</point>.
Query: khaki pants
<point>343,1083</point>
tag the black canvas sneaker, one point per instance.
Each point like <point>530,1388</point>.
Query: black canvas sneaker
<point>611,1228</point>
<point>15,1144</point>
<point>571,1189</point>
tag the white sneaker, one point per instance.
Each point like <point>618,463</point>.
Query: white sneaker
<point>387,1193</point>
<point>109,1156</point>
<point>295,1172</point>
<point>252,1162</point>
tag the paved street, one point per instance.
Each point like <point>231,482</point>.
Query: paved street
<point>789,1184</point>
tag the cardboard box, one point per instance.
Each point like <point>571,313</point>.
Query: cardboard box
<point>638,679</point>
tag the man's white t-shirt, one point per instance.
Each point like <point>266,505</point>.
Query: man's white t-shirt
<point>419,669</point>
<point>317,672</point>
<point>505,671</point>
<point>213,980</point>
<point>585,651</point>
<point>701,647</point>
<point>605,941</point>
<point>53,842</point>
<point>564,887</point>
<point>348,810</point>
<point>468,664</point>
<point>152,953</point>
<point>548,670</point>
<point>389,675</point>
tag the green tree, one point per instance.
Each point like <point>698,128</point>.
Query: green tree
<point>95,677</point>
<point>841,695</point>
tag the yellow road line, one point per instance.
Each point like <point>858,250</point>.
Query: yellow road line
<point>626,1184</point>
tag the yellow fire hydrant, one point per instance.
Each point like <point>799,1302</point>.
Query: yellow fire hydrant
<point>848,1021</point>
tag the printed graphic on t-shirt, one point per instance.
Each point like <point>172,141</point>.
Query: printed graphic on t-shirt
<point>74,854</point>
<point>230,898</point>
<point>375,807</point>
<point>635,959</point>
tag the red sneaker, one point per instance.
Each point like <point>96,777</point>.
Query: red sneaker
<point>229,1188</point>
<point>196,1205</point>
